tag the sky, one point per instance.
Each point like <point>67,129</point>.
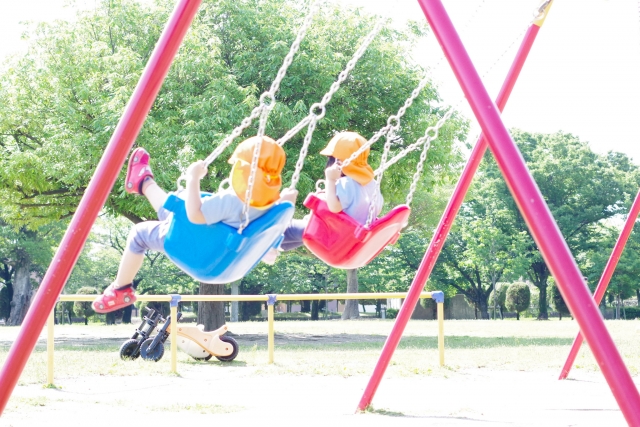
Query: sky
<point>581,77</point>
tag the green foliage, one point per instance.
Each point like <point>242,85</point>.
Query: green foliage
<point>392,313</point>
<point>62,100</point>
<point>518,297</point>
<point>580,187</point>
<point>84,308</point>
<point>632,313</point>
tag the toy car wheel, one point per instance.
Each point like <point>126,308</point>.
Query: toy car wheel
<point>154,354</point>
<point>233,354</point>
<point>203,359</point>
<point>130,350</point>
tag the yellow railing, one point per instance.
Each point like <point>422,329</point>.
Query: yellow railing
<point>269,299</point>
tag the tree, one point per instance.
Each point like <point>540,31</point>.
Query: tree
<point>498,297</point>
<point>557,301</point>
<point>518,298</point>
<point>581,188</point>
<point>24,254</point>
<point>623,284</point>
<point>62,100</point>
<point>84,308</point>
<point>481,249</point>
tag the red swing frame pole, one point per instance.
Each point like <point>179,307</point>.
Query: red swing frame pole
<point>96,194</point>
<point>606,277</point>
<point>536,213</point>
<point>446,221</point>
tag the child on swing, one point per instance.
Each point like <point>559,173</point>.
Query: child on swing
<point>351,189</point>
<point>226,206</point>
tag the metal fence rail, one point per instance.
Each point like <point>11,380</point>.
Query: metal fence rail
<point>270,299</point>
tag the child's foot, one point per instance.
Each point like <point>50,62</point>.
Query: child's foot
<point>270,257</point>
<point>137,171</point>
<point>113,299</point>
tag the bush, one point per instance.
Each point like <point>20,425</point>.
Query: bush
<point>392,313</point>
<point>632,312</point>
<point>518,298</point>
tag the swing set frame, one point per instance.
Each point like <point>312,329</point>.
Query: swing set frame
<point>524,189</point>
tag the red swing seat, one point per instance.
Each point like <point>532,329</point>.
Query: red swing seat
<point>342,242</point>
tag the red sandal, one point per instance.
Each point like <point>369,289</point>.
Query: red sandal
<point>113,299</point>
<point>137,171</point>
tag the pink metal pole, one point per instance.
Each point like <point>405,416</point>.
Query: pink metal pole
<point>606,277</point>
<point>536,213</point>
<point>446,222</point>
<point>96,194</point>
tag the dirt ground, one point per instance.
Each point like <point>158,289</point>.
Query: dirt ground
<point>207,393</point>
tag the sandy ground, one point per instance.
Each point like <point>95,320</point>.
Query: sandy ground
<point>208,394</point>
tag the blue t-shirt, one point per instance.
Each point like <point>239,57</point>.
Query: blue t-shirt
<point>226,207</point>
<point>356,198</point>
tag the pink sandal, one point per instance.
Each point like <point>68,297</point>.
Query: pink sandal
<point>137,170</point>
<point>114,299</point>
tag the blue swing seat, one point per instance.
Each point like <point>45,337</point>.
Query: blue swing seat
<point>216,253</point>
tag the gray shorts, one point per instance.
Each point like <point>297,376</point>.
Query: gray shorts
<point>149,235</point>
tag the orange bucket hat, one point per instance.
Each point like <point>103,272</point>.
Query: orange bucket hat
<point>342,146</point>
<point>268,179</point>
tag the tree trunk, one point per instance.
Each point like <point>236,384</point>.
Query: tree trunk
<point>484,309</point>
<point>517,315</point>
<point>235,288</point>
<point>21,291</point>
<point>351,305</point>
<point>543,314</point>
<point>314,310</point>
<point>211,313</point>
<point>305,306</point>
<point>126,314</point>
<point>111,318</point>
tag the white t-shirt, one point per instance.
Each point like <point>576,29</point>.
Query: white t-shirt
<point>226,207</point>
<point>356,198</point>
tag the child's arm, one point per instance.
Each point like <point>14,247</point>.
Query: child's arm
<point>193,203</point>
<point>288,195</point>
<point>332,174</point>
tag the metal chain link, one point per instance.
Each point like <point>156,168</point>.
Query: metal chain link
<point>430,134</point>
<point>267,102</point>
<point>318,110</point>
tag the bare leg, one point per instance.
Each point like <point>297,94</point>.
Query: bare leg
<point>156,195</point>
<point>129,266</point>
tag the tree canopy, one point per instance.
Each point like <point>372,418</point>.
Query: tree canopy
<point>63,99</point>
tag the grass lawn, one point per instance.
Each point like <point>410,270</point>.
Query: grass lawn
<point>342,350</point>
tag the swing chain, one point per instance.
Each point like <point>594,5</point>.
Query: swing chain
<point>249,191</point>
<point>268,102</point>
<point>267,99</point>
<point>393,122</point>
<point>318,110</point>
<point>430,134</point>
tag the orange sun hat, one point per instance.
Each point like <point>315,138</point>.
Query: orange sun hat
<point>268,179</point>
<point>342,146</point>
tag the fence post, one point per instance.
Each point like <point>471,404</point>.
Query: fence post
<point>50,345</point>
<point>175,299</point>
<point>438,297</point>
<point>271,300</point>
